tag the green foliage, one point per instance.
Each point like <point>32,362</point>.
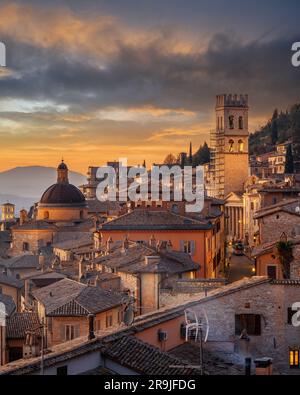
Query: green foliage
<point>289,161</point>
<point>282,127</point>
<point>202,156</point>
<point>284,252</point>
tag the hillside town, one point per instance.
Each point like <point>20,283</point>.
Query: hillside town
<point>145,287</point>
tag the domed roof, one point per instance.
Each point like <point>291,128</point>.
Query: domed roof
<point>62,193</point>
<point>62,166</point>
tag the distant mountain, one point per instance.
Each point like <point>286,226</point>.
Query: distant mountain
<point>24,185</point>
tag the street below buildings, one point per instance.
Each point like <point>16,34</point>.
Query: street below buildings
<point>240,267</point>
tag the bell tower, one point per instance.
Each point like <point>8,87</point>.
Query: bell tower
<point>229,143</point>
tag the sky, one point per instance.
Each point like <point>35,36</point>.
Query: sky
<point>94,81</point>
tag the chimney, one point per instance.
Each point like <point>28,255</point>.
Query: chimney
<point>152,260</point>
<point>153,241</point>
<point>91,319</point>
<point>27,292</point>
<point>263,367</point>
<point>23,217</point>
<point>109,245</point>
<point>162,246</point>
<point>81,269</point>
<point>42,262</point>
<point>125,246</point>
<point>169,246</point>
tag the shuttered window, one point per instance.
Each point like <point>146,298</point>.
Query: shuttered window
<point>249,322</point>
<point>69,332</point>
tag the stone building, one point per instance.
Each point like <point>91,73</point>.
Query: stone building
<point>277,219</point>
<point>145,270</point>
<point>229,168</point>
<point>202,238</point>
<point>66,305</point>
<point>61,214</point>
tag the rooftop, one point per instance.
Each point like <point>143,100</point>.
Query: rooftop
<point>11,281</point>
<point>25,261</point>
<point>134,260</point>
<point>156,220</point>
<point>70,298</point>
<point>9,304</point>
<point>143,358</point>
<point>18,324</point>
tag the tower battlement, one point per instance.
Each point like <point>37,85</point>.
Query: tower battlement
<point>229,100</point>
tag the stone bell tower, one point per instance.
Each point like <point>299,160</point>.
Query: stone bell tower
<point>230,148</point>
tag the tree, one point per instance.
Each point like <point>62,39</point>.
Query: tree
<point>289,161</point>
<point>275,115</point>
<point>202,155</point>
<point>170,160</point>
<point>191,154</point>
<point>284,252</point>
<point>274,132</point>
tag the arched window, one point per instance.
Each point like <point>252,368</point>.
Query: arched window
<point>46,215</point>
<point>241,146</point>
<point>175,209</point>
<point>241,123</point>
<point>81,214</point>
<point>231,121</point>
<point>231,144</point>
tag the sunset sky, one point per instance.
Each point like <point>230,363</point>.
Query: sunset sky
<point>98,80</point>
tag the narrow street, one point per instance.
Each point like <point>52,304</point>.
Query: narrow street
<point>240,267</point>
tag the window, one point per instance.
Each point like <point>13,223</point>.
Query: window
<point>249,322</point>
<point>71,332</point>
<point>109,321</point>
<point>175,209</point>
<point>272,272</point>
<point>231,144</point>
<point>231,122</point>
<point>294,359</point>
<point>241,146</point>
<point>290,314</point>
<point>25,246</point>
<point>46,215</point>
<point>62,370</point>
<point>241,123</point>
<point>98,325</point>
<point>188,247</point>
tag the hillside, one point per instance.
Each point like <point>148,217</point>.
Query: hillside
<point>281,127</point>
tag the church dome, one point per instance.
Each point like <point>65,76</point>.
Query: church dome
<point>63,193</point>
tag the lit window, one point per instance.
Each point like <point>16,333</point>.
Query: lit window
<point>294,359</point>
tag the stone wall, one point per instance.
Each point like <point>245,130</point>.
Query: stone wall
<point>272,226</point>
<point>271,303</point>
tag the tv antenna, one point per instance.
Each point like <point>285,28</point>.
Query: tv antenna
<point>196,327</point>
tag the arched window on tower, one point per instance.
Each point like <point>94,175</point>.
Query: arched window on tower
<point>231,121</point>
<point>231,144</point>
<point>46,214</point>
<point>241,123</point>
<point>241,146</point>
